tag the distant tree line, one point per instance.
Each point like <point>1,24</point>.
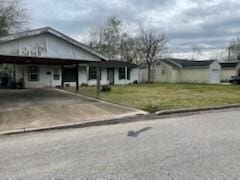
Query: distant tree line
<point>234,50</point>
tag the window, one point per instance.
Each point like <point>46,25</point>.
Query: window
<point>121,73</point>
<point>128,73</point>
<point>93,73</point>
<point>56,76</point>
<point>33,73</point>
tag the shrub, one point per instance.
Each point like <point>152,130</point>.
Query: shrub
<point>135,82</point>
<point>106,88</point>
<point>84,85</point>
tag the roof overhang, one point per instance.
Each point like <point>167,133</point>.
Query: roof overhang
<point>6,59</point>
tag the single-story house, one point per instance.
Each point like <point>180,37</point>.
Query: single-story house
<point>229,69</point>
<point>47,58</point>
<point>182,70</point>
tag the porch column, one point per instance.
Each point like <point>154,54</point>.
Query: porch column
<point>126,75</point>
<point>87,72</point>
<point>77,77</point>
<point>14,72</point>
<point>62,68</point>
<point>98,80</point>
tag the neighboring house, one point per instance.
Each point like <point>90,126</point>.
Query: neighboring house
<point>181,70</point>
<point>229,69</point>
<point>47,58</point>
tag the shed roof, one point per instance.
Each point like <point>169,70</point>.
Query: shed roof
<point>52,31</point>
<point>184,63</point>
<point>229,64</point>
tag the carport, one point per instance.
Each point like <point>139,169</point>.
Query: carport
<point>47,47</point>
<point>30,60</point>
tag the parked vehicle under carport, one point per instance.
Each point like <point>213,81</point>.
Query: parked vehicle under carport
<point>235,80</point>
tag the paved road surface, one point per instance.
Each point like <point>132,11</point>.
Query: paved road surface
<point>192,147</point>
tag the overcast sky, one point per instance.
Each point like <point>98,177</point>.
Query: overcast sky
<point>210,23</point>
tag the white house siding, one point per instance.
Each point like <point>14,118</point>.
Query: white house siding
<point>238,70</point>
<point>200,75</point>
<point>33,46</point>
<point>164,73</point>
<point>226,74</point>
<point>103,81</point>
<point>45,45</point>
<point>45,76</point>
<point>61,48</point>
<point>47,80</point>
<point>133,77</point>
<point>143,75</point>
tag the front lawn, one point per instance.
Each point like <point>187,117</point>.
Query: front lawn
<point>161,96</point>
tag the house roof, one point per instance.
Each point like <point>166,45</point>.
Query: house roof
<point>112,63</point>
<point>184,63</point>
<point>52,31</point>
<point>229,64</point>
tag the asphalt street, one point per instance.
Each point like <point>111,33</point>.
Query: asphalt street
<point>200,146</point>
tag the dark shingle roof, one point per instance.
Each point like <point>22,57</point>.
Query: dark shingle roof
<point>111,63</point>
<point>229,64</point>
<point>188,63</point>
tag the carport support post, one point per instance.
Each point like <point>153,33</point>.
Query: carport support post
<point>62,68</point>
<point>98,80</point>
<point>77,78</point>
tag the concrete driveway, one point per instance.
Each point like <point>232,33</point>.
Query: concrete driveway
<point>32,108</point>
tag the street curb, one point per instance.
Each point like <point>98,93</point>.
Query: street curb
<point>187,110</point>
<point>127,119</point>
<point>114,120</point>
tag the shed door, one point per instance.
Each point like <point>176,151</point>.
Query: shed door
<point>215,76</point>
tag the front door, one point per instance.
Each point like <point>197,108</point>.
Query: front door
<point>111,75</point>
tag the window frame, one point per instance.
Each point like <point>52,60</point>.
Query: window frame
<point>56,74</point>
<point>122,71</point>
<point>30,74</point>
<point>89,73</point>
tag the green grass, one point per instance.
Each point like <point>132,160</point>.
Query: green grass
<point>161,96</point>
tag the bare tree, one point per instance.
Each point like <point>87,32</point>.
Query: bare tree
<point>13,16</point>
<point>196,51</point>
<point>106,38</point>
<point>129,49</point>
<point>151,46</point>
<point>234,49</point>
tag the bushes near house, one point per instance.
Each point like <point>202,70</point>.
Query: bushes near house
<point>106,88</point>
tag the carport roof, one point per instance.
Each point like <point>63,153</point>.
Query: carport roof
<point>39,60</point>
